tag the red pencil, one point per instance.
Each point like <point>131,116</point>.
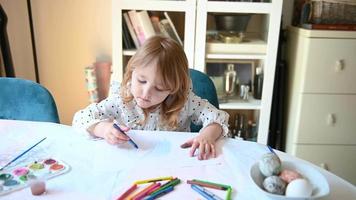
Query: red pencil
<point>128,192</point>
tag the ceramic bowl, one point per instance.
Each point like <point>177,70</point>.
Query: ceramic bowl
<point>316,179</point>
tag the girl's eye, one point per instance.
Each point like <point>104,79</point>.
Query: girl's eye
<point>141,81</point>
<point>159,89</point>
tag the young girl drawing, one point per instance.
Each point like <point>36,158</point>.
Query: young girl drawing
<point>156,94</point>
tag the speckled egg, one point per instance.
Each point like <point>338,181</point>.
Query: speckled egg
<point>299,188</point>
<point>275,185</point>
<point>288,175</point>
<point>270,164</point>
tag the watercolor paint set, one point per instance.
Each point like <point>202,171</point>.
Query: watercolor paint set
<point>20,176</point>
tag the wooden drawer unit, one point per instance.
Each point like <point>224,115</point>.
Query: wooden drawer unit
<point>327,119</point>
<point>321,103</point>
<point>338,159</point>
<point>330,66</point>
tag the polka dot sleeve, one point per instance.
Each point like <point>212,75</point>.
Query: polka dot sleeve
<point>204,113</point>
<point>108,109</point>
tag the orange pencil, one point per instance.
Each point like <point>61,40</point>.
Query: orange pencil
<point>144,192</point>
<point>131,189</point>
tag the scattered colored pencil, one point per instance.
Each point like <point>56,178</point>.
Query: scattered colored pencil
<point>207,185</point>
<point>23,153</point>
<point>154,180</point>
<point>130,140</point>
<point>228,194</point>
<point>201,191</point>
<point>160,193</point>
<point>172,182</point>
<point>211,183</point>
<point>144,191</point>
<point>128,192</point>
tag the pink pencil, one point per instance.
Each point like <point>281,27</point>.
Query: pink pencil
<point>128,192</point>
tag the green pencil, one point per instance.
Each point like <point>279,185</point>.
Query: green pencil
<point>228,194</point>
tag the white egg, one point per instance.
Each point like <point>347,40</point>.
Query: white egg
<point>299,188</point>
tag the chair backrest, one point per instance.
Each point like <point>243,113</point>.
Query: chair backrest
<point>204,87</point>
<point>26,100</point>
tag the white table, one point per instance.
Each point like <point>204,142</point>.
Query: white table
<point>97,173</point>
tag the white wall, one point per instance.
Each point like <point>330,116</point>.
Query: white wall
<point>69,35</point>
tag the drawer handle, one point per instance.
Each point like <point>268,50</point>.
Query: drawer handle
<point>324,166</point>
<point>339,66</point>
<point>331,119</point>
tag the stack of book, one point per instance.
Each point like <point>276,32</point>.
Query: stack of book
<point>138,26</point>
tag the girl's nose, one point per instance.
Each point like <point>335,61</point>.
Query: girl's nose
<point>147,92</point>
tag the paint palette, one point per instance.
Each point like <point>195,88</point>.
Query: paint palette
<point>18,177</point>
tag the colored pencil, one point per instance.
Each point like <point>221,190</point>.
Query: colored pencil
<point>23,153</point>
<point>154,180</point>
<point>211,183</point>
<point>228,194</point>
<point>206,185</point>
<point>160,193</point>
<point>270,148</point>
<point>130,140</point>
<point>198,189</point>
<point>144,191</point>
<point>128,192</point>
<point>172,182</point>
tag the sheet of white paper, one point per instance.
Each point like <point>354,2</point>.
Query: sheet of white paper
<point>122,156</point>
<point>155,148</point>
<point>166,149</point>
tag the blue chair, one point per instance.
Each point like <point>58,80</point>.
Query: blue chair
<point>26,100</point>
<point>204,87</point>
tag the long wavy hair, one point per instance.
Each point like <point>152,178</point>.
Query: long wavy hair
<point>172,65</point>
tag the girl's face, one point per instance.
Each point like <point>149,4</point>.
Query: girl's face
<point>147,87</point>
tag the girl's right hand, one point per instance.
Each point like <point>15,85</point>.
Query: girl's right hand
<point>107,131</point>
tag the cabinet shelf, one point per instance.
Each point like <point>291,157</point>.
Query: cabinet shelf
<point>174,6</point>
<point>253,46</point>
<point>239,104</point>
<point>211,57</point>
<point>239,7</point>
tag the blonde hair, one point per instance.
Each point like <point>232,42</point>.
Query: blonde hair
<point>172,65</point>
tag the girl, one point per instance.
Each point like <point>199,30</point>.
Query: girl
<point>156,94</point>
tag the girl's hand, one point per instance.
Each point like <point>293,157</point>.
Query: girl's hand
<point>205,142</point>
<point>107,131</point>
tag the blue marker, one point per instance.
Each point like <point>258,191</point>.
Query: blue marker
<point>205,193</point>
<point>130,140</point>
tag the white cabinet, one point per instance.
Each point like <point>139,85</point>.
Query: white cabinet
<point>261,46</point>
<point>322,99</point>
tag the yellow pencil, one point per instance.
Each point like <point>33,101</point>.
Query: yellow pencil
<point>154,180</point>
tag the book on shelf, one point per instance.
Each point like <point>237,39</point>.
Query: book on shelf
<point>131,29</point>
<point>340,27</point>
<point>142,25</point>
<point>126,38</point>
<point>170,28</point>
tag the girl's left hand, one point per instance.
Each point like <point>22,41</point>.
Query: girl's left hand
<point>205,142</point>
